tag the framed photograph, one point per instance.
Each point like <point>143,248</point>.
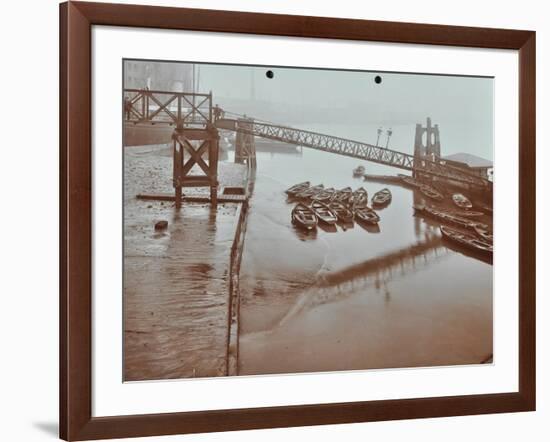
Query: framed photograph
<point>272,220</point>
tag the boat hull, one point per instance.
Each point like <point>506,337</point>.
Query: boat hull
<point>304,217</point>
<point>297,188</point>
<point>367,216</point>
<point>468,243</point>
<point>381,198</point>
<point>324,214</point>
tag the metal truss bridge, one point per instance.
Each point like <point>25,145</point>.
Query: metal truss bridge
<point>354,149</point>
<point>195,111</point>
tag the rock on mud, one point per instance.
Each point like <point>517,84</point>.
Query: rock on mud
<point>161,225</point>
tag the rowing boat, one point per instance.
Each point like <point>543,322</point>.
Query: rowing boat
<point>324,213</point>
<point>359,171</point>
<point>381,198</point>
<point>431,192</point>
<point>297,188</point>
<point>484,232</point>
<point>366,215</point>
<point>342,212</point>
<point>461,201</point>
<point>310,192</point>
<point>343,195</point>
<point>468,214</point>
<point>465,239</point>
<point>449,218</point>
<point>304,217</point>
<point>359,197</point>
<point>325,195</point>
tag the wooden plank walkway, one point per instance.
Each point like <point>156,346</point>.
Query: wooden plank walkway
<point>191,198</point>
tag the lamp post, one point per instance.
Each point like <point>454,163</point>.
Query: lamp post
<point>389,132</point>
<point>378,138</point>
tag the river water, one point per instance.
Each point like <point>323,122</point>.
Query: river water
<point>354,299</point>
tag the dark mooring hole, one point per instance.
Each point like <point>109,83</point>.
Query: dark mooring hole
<point>378,79</point>
<point>269,74</point>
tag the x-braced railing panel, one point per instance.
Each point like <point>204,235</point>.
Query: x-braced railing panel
<point>183,109</point>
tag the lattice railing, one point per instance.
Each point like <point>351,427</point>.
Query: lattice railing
<point>185,109</point>
<point>355,149</point>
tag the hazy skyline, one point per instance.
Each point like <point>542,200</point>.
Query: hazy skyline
<point>307,98</point>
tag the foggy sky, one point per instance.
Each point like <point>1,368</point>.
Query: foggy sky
<point>301,97</point>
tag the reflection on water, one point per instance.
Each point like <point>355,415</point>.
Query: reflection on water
<point>354,297</point>
<point>371,228</point>
<point>306,235</point>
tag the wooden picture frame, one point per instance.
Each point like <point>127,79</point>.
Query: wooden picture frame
<point>76,21</point>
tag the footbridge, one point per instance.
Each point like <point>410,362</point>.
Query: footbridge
<point>192,111</point>
<point>351,148</point>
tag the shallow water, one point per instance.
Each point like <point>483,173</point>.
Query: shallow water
<point>176,285</point>
<point>354,299</point>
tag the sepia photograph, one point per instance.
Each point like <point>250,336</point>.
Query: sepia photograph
<point>282,220</point>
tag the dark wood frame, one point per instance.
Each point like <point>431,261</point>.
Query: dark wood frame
<point>76,20</point>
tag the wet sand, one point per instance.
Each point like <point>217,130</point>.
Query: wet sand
<point>393,325</point>
<point>176,285</point>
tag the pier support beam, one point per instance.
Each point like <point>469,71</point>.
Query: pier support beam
<point>195,150</point>
<point>430,150</point>
<point>245,146</point>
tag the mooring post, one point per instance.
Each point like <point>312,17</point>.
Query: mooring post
<point>177,165</point>
<point>178,197</point>
<point>213,153</point>
<point>245,147</point>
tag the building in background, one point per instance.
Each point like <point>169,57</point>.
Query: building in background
<point>172,77</point>
<point>480,166</point>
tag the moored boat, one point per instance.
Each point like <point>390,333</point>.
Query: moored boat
<point>468,214</point>
<point>310,192</point>
<point>325,195</point>
<point>449,218</point>
<point>343,195</point>
<point>430,192</point>
<point>461,201</point>
<point>484,232</point>
<point>366,215</point>
<point>304,217</point>
<point>469,241</point>
<point>359,171</point>
<point>381,198</point>
<point>324,213</point>
<point>342,212</point>
<point>359,197</point>
<point>297,188</point>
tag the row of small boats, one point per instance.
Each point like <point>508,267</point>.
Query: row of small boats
<point>467,240</point>
<point>471,234</point>
<point>459,199</point>
<point>329,206</point>
<point>458,227</point>
<point>308,216</point>
<point>350,198</point>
